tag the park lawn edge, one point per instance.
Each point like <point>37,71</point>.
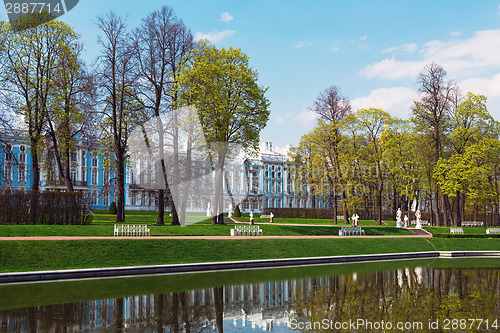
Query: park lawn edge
<point>33,255</point>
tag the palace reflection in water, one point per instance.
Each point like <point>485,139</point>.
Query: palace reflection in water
<point>416,294</point>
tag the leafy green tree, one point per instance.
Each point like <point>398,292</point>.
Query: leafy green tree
<point>71,112</point>
<point>232,106</point>
<point>334,108</point>
<point>371,123</point>
<point>31,61</point>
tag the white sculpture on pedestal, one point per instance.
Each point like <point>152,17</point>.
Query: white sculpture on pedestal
<point>398,218</point>
<point>354,219</point>
<point>209,211</point>
<point>406,221</point>
<point>419,223</point>
<point>230,213</point>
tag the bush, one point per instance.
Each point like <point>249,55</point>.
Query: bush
<point>304,215</point>
<point>112,208</point>
<point>48,207</point>
<point>237,212</point>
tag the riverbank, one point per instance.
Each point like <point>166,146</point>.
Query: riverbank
<point>39,255</point>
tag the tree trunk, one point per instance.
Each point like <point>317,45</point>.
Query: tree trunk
<point>120,170</point>
<point>436,208</point>
<point>161,207</point>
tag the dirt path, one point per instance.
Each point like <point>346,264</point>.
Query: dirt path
<point>203,237</point>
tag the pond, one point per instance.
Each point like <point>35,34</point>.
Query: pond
<point>425,295</point>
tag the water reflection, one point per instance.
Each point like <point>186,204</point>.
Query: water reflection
<point>406,295</point>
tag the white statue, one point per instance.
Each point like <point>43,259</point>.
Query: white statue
<point>406,221</point>
<point>230,213</point>
<point>354,219</point>
<point>398,218</point>
<point>271,217</point>
<point>419,223</point>
<point>209,212</point>
<point>251,215</point>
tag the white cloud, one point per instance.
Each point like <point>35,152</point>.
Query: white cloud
<point>226,17</point>
<point>303,43</point>
<point>473,56</point>
<point>455,33</point>
<point>213,37</point>
<point>364,37</point>
<point>393,69</point>
<point>306,117</point>
<point>490,87</point>
<point>397,100</point>
<point>407,48</point>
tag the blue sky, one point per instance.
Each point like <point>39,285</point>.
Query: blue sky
<point>372,50</point>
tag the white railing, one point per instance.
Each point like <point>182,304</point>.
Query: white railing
<point>456,231</point>
<point>351,231</point>
<point>246,230</point>
<point>131,230</point>
<point>493,231</point>
<point>472,224</point>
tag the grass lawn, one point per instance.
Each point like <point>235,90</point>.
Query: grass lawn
<point>191,230</point>
<point>43,255</point>
<point>257,219</point>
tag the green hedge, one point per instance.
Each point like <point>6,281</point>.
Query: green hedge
<point>48,207</point>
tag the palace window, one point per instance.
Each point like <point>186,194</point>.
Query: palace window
<point>105,198</point>
<point>93,198</point>
<point>8,172</point>
<point>105,177</point>
<point>94,177</point>
<point>94,162</point>
<point>133,198</point>
<point>22,173</point>
<point>72,174</point>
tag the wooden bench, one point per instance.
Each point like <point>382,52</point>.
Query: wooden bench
<point>472,224</point>
<point>131,230</point>
<point>456,231</point>
<point>493,231</point>
<point>246,230</point>
<point>351,231</point>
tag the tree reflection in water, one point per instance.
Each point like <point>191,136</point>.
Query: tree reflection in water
<point>404,295</point>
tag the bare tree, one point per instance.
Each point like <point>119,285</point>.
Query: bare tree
<point>116,78</point>
<point>162,43</point>
<point>333,107</point>
<point>432,115</point>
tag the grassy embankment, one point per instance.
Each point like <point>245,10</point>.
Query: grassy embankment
<point>29,255</point>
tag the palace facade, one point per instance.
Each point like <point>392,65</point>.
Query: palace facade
<point>254,182</point>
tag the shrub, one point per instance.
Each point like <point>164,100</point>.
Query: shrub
<point>48,207</point>
<point>304,215</point>
<point>237,212</point>
<point>112,208</point>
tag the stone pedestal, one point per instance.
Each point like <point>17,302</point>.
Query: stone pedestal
<point>399,224</point>
<point>251,221</point>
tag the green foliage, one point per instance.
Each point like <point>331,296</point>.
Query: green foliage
<point>237,212</point>
<point>304,215</point>
<point>112,208</point>
<point>221,84</point>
